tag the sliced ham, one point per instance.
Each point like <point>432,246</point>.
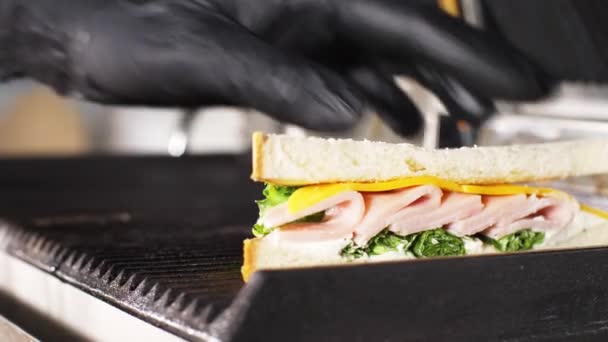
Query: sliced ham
<point>544,214</point>
<point>496,208</point>
<point>280,215</point>
<point>342,213</point>
<point>454,207</point>
<point>381,208</point>
<point>504,215</point>
<point>361,216</point>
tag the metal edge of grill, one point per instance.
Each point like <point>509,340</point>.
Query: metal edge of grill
<point>178,312</point>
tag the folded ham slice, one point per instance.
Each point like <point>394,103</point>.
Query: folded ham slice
<point>454,207</point>
<point>382,208</point>
<point>342,213</point>
<point>351,214</point>
<point>504,215</point>
<point>543,214</point>
<point>496,209</point>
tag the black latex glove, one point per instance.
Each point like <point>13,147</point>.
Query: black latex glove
<point>315,63</point>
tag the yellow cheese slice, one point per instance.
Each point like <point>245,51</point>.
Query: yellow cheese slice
<point>310,195</point>
<point>594,211</point>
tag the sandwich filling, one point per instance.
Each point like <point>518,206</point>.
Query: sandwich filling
<point>421,217</point>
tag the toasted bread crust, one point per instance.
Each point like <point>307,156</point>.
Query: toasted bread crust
<point>257,144</point>
<point>249,257</point>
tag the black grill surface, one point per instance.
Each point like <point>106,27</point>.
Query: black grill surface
<point>161,239</point>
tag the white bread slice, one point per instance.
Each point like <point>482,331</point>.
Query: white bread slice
<point>585,230</point>
<point>289,160</point>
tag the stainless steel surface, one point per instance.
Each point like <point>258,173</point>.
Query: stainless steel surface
<point>580,101</point>
<point>510,128</point>
<point>573,111</point>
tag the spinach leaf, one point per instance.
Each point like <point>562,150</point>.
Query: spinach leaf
<point>437,242</point>
<point>430,243</point>
<point>385,241</point>
<point>352,251</point>
<point>520,241</point>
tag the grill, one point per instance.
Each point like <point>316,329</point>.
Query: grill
<point>175,278</point>
<point>161,239</point>
<point>158,238</point>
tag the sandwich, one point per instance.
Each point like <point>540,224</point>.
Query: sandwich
<point>341,201</point>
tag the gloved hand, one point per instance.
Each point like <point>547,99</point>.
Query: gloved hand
<point>315,63</point>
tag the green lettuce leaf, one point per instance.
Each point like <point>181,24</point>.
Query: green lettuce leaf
<point>520,241</point>
<point>259,230</point>
<point>273,196</point>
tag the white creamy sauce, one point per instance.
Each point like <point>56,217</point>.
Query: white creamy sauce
<point>473,245</point>
<point>388,256</point>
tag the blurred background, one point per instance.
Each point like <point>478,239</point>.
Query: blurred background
<point>34,121</point>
